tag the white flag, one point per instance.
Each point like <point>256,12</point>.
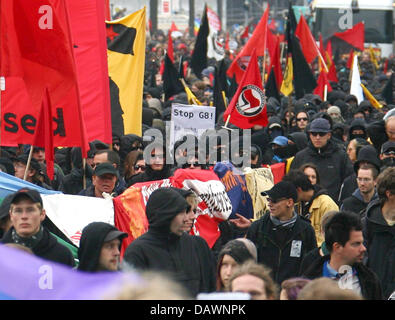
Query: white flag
<point>356,88</point>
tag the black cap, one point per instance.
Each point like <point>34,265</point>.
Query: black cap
<point>30,193</point>
<point>388,146</point>
<point>114,234</point>
<point>283,189</point>
<point>105,167</point>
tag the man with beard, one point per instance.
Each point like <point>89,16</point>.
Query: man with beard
<point>344,240</point>
<point>366,191</point>
<point>166,247</point>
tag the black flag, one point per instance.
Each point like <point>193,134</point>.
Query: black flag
<point>199,56</point>
<point>171,83</point>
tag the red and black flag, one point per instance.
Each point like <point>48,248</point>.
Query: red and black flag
<point>353,38</point>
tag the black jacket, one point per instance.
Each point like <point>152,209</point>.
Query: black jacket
<point>91,243</point>
<point>277,256</point>
<point>187,259</point>
<point>368,280</point>
<point>380,244</point>
<point>347,188</point>
<point>356,204</point>
<point>48,248</point>
<point>332,163</point>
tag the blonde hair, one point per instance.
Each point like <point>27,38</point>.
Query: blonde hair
<point>259,271</point>
<point>155,286</point>
<point>326,289</point>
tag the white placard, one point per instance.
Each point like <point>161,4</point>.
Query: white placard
<point>188,119</point>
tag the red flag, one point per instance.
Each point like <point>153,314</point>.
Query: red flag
<point>246,32</point>
<point>43,136</point>
<point>307,42</point>
<point>272,25</point>
<point>107,10</point>
<point>170,51</point>
<point>38,43</point>
<point>173,27</point>
<point>257,41</point>
<point>90,50</point>
<point>247,107</point>
<point>350,59</point>
<point>332,74</point>
<point>321,83</point>
<point>354,36</point>
<point>273,44</point>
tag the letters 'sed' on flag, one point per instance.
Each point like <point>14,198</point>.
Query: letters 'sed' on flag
<point>126,61</point>
<point>36,52</point>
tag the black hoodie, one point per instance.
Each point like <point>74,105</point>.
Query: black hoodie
<point>91,243</point>
<point>380,244</point>
<point>187,259</point>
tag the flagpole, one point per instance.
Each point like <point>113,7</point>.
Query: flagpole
<point>325,91</point>
<point>28,162</point>
<point>84,175</point>
<point>224,98</point>
<point>323,61</point>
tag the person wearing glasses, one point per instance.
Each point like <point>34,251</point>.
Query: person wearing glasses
<point>302,119</point>
<point>156,166</point>
<point>281,236</point>
<point>332,162</point>
<point>134,164</point>
<point>366,179</point>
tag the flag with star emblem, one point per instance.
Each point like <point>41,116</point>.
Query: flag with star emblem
<point>126,61</point>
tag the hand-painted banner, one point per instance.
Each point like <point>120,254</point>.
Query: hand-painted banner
<point>236,188</point>
<point>214,205</point>
<point>25,276</point>
<point>188,119</point>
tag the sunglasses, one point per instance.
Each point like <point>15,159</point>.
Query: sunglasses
<point>137,167</point>
<point>300,119</point>
<point>389,153</point>
<point>321,134</point>
<point>189,165</point>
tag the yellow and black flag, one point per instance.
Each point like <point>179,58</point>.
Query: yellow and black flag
<point>126,61</point>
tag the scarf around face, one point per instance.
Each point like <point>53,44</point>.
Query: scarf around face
<point>29,242</point>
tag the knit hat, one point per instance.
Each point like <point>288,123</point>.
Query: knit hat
<point>367,154</point>
<point>334,109</point>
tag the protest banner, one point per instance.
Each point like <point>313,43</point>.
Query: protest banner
<point>187,119</point>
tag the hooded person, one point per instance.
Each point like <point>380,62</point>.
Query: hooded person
<point>367,154</point>
<point>99,249</point>
<point>336,115</point>
<point>233,254</point>
<point>358,129</point>
<point>168,248</point>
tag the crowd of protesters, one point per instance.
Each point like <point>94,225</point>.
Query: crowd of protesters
<point>335,206</point>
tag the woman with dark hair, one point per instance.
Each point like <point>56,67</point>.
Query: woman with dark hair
<point>155,156</point>
<point>233,254</point>
<point>131,160</point>
<point>310,170</point>
<point>302,119</point>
